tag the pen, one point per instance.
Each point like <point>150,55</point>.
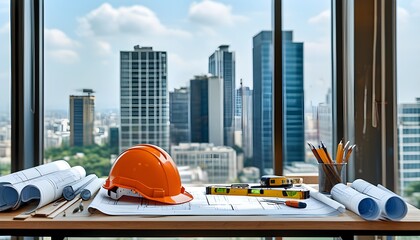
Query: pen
<point>290,203</point>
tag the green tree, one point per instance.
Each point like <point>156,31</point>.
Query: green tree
<point>413,193</point>
<point>4,169</point>
<point>94,158</point>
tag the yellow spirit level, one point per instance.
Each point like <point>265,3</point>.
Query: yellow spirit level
<point>296,193</point>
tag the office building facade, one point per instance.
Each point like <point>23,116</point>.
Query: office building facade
<point>262,65</point>
<point>293,101</point>
<point>222,65</point>
<point>82,117</point>
<point>179,116</point>
<point>144,98</point>
<point>217,162</point>
<point>206,110</point>
<point>409,144</point>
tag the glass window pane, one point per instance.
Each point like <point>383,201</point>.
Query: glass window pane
<point>307,82</point>
<point>408,97</point>
<point>179,76</point>
<point>5,83</point>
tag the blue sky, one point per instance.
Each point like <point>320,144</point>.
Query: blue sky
<point>83,40</point>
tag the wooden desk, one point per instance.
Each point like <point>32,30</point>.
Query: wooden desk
<point>83,224</point>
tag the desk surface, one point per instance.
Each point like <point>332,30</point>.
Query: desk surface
<point>100,225</point>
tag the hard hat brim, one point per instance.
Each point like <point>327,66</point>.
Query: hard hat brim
<point>177,199</point>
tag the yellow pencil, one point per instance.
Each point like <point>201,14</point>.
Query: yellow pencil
<point>339,156</point>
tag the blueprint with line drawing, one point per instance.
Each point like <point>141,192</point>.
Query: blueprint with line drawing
<point>202,204</point>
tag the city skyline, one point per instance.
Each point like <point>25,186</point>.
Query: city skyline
<point>82,43</point>
<point>79,51</point>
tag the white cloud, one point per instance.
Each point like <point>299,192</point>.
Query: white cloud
<point>107,21</point>
<point>322,18</point>
<point>211,13</point>
<point>60,47</point>
<point>402,15</point>
<point>64,55</point>
<point>58,39</point>
<point>103,48</point>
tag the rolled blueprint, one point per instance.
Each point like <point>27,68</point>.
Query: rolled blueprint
<point>322,198</point>
<point>11,185</point>
<point>50,187</point>
<point>91,189</point>
<point>70,191</point>
<point>31,173</point>
<point>392,206</point>
<point>357,202</point>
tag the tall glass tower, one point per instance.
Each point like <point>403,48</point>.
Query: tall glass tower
<point>409,144</point>
<point>222,65</point>
<point>206,110</point>
<point>262,64</point>
<point>82,116</point>
<point>179,116</point>
<point>144,98</point>
<point>293,101</point>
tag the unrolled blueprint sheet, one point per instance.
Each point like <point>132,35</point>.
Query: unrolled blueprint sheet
<point>203,204</point>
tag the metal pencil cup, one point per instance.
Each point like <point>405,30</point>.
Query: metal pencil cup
<point>331,174</point>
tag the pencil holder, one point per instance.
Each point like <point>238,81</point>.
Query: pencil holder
<point>331,174</point>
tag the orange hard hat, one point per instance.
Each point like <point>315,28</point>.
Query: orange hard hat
<point>149,171</point>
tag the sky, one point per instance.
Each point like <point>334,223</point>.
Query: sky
<point>83,40</point>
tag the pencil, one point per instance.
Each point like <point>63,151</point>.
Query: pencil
<point>313,149</point>
<point>326,152</point>
<point>339,156</point>
<point>348,153</point>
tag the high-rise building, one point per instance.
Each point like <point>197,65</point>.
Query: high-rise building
<point>293,101</point>
<point>324,112</point>
<point>144,98</point>
<point>218,162</point>
<point>179,116</point>
<point>82,117</point>
<point>262,65</point>
<point>222,65</point>
<point>243,110</point>
<point>114,139</point>
<point>409,144</point>
<point>206,110</point>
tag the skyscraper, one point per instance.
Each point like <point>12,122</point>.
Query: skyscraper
<point>179,116</point>
<point>144,98</point>
<point>244,111</point>
<point>114,139</point>
<point>222,64</point>
<point>206,110</point>
<point>293,100</point>
<point>82,116</point>
<point>262,65</point>
<point>409,143</point>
